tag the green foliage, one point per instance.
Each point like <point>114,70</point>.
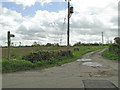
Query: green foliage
<point>117,40</point>
<point>110,55</point>
<point>77,44</point>
<point>86,44</point>
<point>45,55</point>
<point>114,48</point>
<point>49,44</point>
<point>76,49</point>
<point>15,65</point>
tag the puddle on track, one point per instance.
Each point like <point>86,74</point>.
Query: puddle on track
<point>92,64</point>
<point>83,60</point>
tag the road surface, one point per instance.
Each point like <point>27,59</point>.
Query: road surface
<point>70,75</point>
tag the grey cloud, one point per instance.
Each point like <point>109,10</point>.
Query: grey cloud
<point>32,33</point>
<point>114,20</point>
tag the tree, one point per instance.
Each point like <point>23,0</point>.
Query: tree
<point>57,44</point>
<point>35,43</point>
<point>117,40</point>
<point>49,44</point>
<point>77,44</point>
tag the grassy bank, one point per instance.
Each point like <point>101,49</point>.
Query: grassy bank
<point>110,55</point>
<point>21,65</point>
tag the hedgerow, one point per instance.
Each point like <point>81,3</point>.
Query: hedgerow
<point>45,55</point>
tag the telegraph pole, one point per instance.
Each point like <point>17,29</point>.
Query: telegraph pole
<point>70,11</point>
<point>68,23</point>
<point>102,39</point>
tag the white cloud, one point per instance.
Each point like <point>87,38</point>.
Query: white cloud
<point>89,20</point>
<point>8,22</point>
<point>44,25</point>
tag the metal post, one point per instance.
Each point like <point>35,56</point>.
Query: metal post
<point>68,23</point>
<point>8,45</point>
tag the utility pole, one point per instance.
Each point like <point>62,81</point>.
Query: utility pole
<point>19,43</point>
<point>102,39</point>
<point>68,24</point>
<point>70,11</point>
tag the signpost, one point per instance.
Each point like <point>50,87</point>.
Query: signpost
<point>9,41</point>
<point>11,35</point>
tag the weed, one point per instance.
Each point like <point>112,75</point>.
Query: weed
<point>110,55</point>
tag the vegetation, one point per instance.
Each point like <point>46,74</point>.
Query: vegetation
<point>45,55</point>
<point>27,59</point>
<point>117,40</point>
<point>87,44</point>
<point>16,65</point>
<point>113,52</point>
<point>110,55</point>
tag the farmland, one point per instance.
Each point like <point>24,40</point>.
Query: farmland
<point>18,63</point>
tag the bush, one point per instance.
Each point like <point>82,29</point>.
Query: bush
<point>42,55</point>
<point>76,49</point>
<point>40,64</point>
<point>117,40</point>
<point>114,48</point>
<point>15,65</point>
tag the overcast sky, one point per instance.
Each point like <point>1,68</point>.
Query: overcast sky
<point>42,21</point>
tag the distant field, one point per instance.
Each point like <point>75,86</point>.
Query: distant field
<point>20,51</point>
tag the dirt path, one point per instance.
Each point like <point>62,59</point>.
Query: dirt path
<point>69,75</point>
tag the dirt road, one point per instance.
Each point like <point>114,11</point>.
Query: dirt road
<point>69,75</point>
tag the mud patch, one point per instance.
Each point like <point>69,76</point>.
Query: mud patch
<point>107,73</point>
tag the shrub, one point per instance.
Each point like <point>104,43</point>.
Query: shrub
<point>42,55</point>
<point>117,40</point>
<point>114,48</point>
<point>76,49</point>
<point>40,63</point>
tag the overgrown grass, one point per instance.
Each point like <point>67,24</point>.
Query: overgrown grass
<point>109,55</point>
<point>21,65</point>
<point>16,65</point>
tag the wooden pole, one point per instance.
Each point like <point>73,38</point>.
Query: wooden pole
<point>68,23</point>
<point>8,45</point>
<point>102,39</point>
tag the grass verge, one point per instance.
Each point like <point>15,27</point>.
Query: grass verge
<point>110,55</point>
